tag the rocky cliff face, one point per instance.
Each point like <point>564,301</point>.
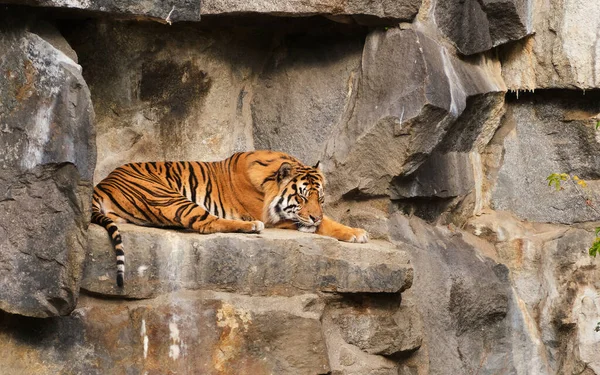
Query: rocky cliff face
<point>431,135</point>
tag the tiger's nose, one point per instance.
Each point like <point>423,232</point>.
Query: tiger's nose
<point>315,219</point>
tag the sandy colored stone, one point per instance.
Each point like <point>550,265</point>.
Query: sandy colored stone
<point>556,282</point>
<point>184,332</point>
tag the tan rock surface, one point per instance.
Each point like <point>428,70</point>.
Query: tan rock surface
<point>276,261</point>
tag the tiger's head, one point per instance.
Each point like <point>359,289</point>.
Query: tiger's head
<point>300,196</point>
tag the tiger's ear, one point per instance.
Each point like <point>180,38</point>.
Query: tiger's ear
<point>284,171</point>
<point>316,166</point>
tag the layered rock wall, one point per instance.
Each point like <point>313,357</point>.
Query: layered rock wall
<point>425,120</point>
<point>227,303</point>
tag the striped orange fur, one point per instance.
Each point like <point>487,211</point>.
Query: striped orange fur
<point>243,193</point>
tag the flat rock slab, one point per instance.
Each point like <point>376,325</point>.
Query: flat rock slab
<point>364,12</point>
<point>274,262</point>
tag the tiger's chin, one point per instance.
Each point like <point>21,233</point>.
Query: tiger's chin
<point>306,228</point>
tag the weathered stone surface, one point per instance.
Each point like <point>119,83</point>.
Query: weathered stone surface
<point>407,119</point>
<point>549,132</point>
<point>300,97</point>
<point>371,215</point>
<point>347,359</point>
<point>477,26</point>
<point>442,175</point>
<point>184,333</point>
<point>280,262</point>
<point>161,95</point>
<point>364,12</point>
<point>183,10</point>
<point>391,11</point>
<point>448,186</point>
<point>468,306</point>
<point>397,116</point>
<point>556,282</point>
<point>51,35</point>
<point>451,170</point>
<point>562,53</point>
<point>381,330</point>
<point>47,157</point>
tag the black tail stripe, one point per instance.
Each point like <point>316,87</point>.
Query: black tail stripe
<point>112,229</point>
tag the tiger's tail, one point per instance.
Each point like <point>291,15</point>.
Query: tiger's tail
<point>115,237</point>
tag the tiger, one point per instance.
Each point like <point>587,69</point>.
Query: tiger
<point>243,193</point>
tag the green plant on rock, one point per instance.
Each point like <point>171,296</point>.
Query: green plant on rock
<point>556,180</point>
<point>595,248</point>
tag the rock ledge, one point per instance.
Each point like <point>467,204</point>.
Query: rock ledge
<point>377,12</point>
<point>274,262</point>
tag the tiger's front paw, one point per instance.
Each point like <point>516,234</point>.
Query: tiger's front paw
<point>257,226</point>
<point>248,226</point>
<point>353,235</point>
<point>360,235</point>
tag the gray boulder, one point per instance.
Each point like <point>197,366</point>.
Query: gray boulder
<point>364,12</point>
<point>398,116</point>
<point>47,158</point>
<point>477,26</point>
<point>160,10</point>
<point>348,359</point>
<point>442,175</point>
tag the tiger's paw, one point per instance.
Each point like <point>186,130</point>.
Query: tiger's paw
<point>355,235</point>
<point>257,226</point>
<point>359,236</point>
